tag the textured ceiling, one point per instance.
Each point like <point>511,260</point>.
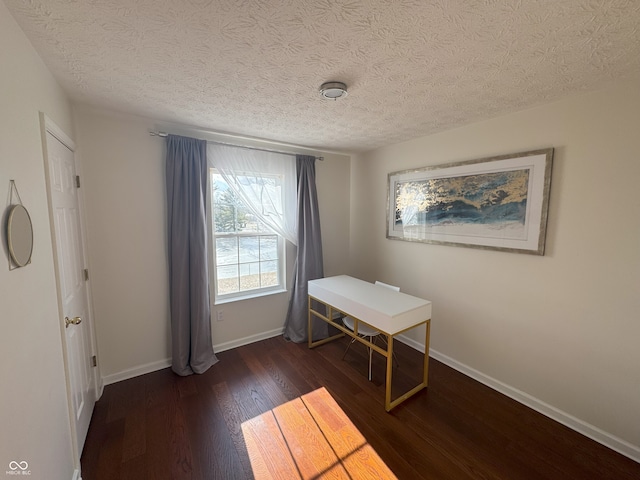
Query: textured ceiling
<point>253,67</point>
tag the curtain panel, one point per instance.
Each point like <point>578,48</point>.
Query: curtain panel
<point>186,177</point>
<point>309,260</point>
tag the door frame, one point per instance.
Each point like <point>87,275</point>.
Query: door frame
<point>48,126</point>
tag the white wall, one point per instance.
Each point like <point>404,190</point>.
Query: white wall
<point>562,328</point>
<point>124,188</point>
<point>123,182</point>
<point>34,415</point>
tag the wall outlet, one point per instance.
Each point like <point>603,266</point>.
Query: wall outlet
<point>219,316</point>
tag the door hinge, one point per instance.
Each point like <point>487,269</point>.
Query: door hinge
<point>77,181</point>
<point>86,274</point>
<point>94,361</point>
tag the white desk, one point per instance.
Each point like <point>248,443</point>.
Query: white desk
<point>381,308</point>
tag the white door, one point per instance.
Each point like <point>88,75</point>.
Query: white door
<point>72,288</point>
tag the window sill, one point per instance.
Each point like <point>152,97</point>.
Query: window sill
<point>240,297</point>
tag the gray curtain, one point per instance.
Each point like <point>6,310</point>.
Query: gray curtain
<point>192,348</point>
<point>308,264</point>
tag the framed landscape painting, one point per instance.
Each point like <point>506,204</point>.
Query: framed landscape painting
<point>497,203</point>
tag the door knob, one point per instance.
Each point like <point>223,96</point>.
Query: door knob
<point>71,321</point>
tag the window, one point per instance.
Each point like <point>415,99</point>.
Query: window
<point>249,256</point>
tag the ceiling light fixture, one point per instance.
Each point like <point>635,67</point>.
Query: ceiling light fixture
<point>333,90</point>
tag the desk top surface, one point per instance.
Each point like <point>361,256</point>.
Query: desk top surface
<point>384,309</point>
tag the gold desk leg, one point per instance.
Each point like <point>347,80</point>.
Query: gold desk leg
<point>389,404</point>
<point>387,400</point>
<point>311,314</point>
<point>309,320</point>
<point>427,337</point>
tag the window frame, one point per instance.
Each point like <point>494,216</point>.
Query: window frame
<point>281,287</point>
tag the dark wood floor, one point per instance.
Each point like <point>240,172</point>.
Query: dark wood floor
<point>161,426</point>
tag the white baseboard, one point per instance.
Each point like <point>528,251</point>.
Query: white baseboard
<point>619,445</point>
<point>136,371</point>
<point>160,364</point>
<point>100,388</point>
<point>221,347</point>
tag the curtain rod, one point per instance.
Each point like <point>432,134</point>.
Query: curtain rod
<point>165,134</point>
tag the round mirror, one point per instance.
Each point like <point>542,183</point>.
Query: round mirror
<point>20,235</point>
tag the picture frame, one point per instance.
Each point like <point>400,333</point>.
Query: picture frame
<point>496,203</point>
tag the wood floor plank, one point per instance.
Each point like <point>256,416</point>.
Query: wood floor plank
<point>96,434</point>
<point>158,458</point>
<point>212,448</point>
<point>134,441</point>
<point>109,463</point>
<point>134,468</point>
<point>349,445</point>
<point>263,359</point>
<point>161,426</point>
<point>273,389</point>
<point>181,464</point>
<point>308,447</point>
<point>247,390</point>
<point>233,418</point>
<point>263,437</point>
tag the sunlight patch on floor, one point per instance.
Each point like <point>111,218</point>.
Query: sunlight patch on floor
<point>310,438</point>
